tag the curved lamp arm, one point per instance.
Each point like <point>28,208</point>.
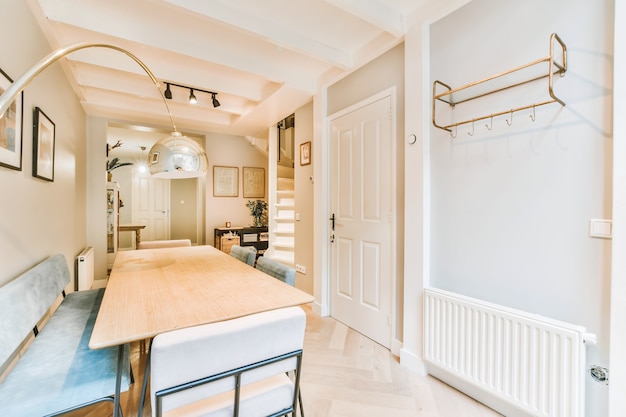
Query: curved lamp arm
<point>14,89</point>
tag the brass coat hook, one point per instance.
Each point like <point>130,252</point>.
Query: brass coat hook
<point>471,134</point>
<point>455,132</point>
<point>510,122</point>
<point>532,116</point>
<point>490,126</point>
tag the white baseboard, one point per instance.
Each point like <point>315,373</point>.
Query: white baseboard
<point>99,283</point>
<point>413,362</point>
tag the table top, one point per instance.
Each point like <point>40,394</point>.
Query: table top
<point>153,291</point>
<point>129,227</point>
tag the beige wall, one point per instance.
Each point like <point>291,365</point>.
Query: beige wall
<point>384,72</point>
<point>39,218</point>
<point>303,182</point>
<point>235,151</point>
<point>222,149</point>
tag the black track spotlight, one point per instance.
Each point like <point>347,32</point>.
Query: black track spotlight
<point>192,97</point>
<point>216,103</point>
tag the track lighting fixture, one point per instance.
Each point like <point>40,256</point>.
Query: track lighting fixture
<point>192,96</point>
<point>215,102</point>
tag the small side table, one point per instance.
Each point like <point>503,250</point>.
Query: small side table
<point>133,228</point>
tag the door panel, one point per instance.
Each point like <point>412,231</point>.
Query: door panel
<point>361,193</point>
<point>344,277</point>
<point>151,198</point>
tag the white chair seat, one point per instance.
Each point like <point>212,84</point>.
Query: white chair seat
<point>215,353</point>
<point>258,399</point>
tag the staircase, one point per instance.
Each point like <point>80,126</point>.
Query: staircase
<point>284,222</point>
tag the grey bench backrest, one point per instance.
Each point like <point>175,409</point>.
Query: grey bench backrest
<point>277,270</point>
<point>25,300</point>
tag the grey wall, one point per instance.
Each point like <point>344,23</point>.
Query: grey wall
<point>510,207</point>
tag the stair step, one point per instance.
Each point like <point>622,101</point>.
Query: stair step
<point>284,257</point>
<point>284,245</point>
<point>286,202</point>
<point>284,184</point>
<point>283,231</point>
<point>284,219</point>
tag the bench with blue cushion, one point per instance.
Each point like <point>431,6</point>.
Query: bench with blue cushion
<point>58,372</point>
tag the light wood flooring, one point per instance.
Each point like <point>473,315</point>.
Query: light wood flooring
<point>344,375</point>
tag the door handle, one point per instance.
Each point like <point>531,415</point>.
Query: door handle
<point>332,220</point>
<point>165,212</point>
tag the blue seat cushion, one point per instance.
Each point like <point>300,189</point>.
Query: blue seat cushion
<point>59,371</point>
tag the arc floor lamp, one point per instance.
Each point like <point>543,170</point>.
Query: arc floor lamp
<point>173,157</point>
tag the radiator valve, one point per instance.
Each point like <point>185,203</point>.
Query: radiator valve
<point>599,374</point>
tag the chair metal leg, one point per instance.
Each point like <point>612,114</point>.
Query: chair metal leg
<point>300,403</point>
<point>144,385</point>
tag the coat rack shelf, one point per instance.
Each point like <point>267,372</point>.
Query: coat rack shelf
<point>539,69</point>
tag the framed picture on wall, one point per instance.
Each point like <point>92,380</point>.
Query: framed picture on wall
<point>253,182</point>
<point>43,146</point>
<point>305,153</point>
<point>225,181</point>
<point>11,128</point>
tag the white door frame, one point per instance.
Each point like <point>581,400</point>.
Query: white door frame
<point>322,208</point>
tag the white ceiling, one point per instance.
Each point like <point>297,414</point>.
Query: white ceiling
<point>264,58</point>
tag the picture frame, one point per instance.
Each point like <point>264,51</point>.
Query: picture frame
<point>253,182</point>
<point>225,181</point>
<point>305,153</point>
<point>43,145</point>
<point>11,128</point>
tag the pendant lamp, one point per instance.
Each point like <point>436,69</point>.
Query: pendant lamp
<point>177,156</point>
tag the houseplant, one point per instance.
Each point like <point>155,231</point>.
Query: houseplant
<point>258,211</point>
<point>114,164</point>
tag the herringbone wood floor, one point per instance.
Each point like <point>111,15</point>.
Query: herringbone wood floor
<point>344,375</point>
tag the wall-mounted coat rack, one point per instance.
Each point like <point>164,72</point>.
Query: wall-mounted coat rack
<point>515,77</point>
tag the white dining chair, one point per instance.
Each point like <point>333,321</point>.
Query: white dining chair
<point>230,368</point>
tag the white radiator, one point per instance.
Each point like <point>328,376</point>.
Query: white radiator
<point>524,363</point>
<point>85,269</point>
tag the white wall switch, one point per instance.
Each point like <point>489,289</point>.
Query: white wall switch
<point>601,228</point>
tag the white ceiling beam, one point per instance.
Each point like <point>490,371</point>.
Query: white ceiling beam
<point>272,31</point>
<point>376,13</point>
<point>192,37</point>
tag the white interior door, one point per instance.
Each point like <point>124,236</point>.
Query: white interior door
<point>361,201</point>
<point>151,204</point>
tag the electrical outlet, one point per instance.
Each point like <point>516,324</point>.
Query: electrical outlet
<point>301,269</point>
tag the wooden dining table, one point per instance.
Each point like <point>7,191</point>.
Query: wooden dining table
<point>154,291</point>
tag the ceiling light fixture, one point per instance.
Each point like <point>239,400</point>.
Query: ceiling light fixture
<point>192,96</point>
<point>175,148</point>
<point>143,167</point>
<point>215,102</point>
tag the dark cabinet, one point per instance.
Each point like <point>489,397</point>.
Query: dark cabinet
<point>225,237</point>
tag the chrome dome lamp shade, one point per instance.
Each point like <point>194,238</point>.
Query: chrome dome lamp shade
<point>177,156</point>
